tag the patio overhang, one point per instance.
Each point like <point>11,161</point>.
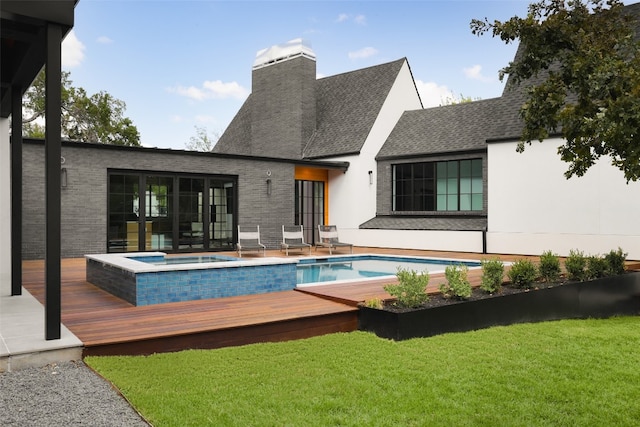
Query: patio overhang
<point>31,38</point>
<point>24,46</point>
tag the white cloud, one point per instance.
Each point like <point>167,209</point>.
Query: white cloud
<point>104,40</point>
<point>215,89</point>
<point>433,94</point>
<point>72,51</point>
<point>475,73</point>
<point>363,53</point>
<point>358,19</point>
<point>226,90</point>
<point>176,119</point>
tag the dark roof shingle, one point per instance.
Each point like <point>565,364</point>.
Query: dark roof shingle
<point>348,105</point>
<point>457,223</point>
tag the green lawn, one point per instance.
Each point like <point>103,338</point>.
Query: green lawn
<point>569,373</point>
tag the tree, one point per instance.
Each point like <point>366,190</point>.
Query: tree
<point>452,100</point>
<point>580,61</point>
<point>96,118</point>
<point>202,141</point>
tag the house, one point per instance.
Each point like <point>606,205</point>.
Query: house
<point>356,150</point>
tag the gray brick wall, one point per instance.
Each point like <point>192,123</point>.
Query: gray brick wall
<point>84,200</point>
<point>283,110</point>
<point>385,181</point>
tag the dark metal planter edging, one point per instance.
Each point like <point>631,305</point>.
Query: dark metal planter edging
<point>599,298</point>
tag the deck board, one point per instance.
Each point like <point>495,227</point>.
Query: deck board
<point>100,319</point>
<point>109,325</point>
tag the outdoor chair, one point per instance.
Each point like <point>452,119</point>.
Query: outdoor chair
<point>328,238</point>
<point>293,238</point>
<point>249,240</point>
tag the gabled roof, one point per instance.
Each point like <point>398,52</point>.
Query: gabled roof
<point>347,107</point>
<point>468,126</point>
<point>451,128</point>
<point>236,138</point>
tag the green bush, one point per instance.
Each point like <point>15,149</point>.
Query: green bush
<point>549,267</point>
<point>615,262</point>
<point>457,285</point>
<point>597,267</point>
<point>523,273</point>
<point>492,275</point>
<point>576,265</point>
<point>411,291</point>
<point>374,303</point>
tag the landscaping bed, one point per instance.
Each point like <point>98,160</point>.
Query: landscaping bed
<point>601,297</point>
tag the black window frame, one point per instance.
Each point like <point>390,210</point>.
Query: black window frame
<point>443,186</point>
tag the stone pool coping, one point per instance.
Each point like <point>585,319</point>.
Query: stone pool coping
<point>123,261</point>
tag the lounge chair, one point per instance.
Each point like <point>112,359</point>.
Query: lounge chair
<point>328,238</point>
<point>293,238</point>
<point>249,240</point>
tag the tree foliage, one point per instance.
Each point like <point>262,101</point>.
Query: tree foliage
<point>97,118</point>
<point>582,61</point>
<point>452,100</point>
<point>202,141</point>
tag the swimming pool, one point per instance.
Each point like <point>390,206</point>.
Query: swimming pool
<point>152,278</point>
<point>315,271</point>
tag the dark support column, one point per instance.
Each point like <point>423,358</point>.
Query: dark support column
<point>16,190</point>
<point>53,151</point>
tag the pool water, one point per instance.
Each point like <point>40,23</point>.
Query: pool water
<point>191,260</point>
<point>333,269</point>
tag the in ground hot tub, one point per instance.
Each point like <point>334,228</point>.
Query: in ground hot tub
<point>145,278</point>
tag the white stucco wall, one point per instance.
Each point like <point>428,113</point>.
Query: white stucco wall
<point>533,208</point>
<point>352,199</point>
<point>5,208</point>
<point>436,240</point>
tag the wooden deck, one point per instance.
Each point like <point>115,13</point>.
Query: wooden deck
<point>108,325</point>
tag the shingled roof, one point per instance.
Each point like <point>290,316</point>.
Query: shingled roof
<point>451,128</point>
<point>236,138</point>
<point>348,105</point>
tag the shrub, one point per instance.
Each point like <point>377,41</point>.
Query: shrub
<point>492,275</point>
<point>615,262</point>
<point>597,267</point>
<point>457,285</point>
<point>523,273</point>
<point>549,267</point>
<point>411,291</point>
<point>374,303</point>
<point>576,264</point>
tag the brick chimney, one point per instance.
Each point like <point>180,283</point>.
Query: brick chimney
<point>283,100</point>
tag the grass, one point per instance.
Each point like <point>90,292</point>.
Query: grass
<point>570,372</point>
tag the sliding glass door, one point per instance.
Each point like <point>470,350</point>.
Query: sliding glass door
<point>174,212</point>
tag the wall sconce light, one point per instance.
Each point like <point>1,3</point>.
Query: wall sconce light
<point>63,177</point>
<point>268,186</point>
<point>370,177</point>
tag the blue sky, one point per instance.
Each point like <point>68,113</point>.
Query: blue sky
<point>181,64</point>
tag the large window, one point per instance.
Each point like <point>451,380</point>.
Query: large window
<point>170,212</point>
<point>438,186</point>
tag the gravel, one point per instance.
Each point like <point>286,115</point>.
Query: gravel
<point>65,394</point>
